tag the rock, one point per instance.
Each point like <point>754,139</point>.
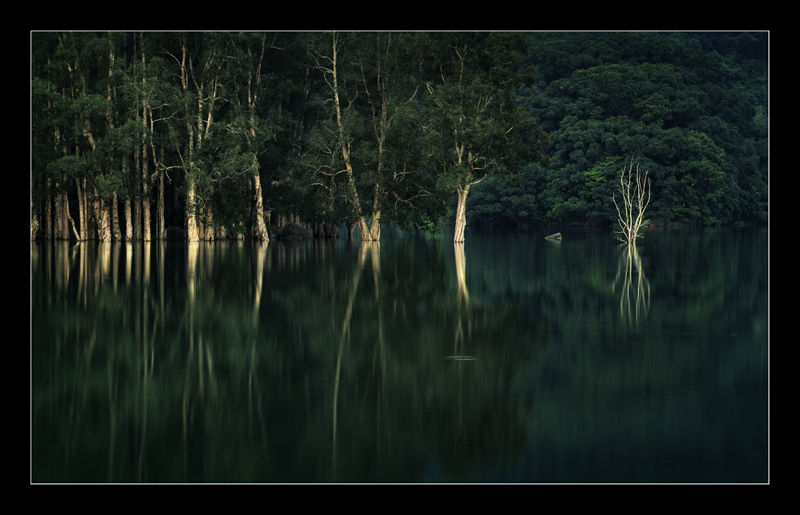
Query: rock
<point>556,236</point>
<point>296,230</point>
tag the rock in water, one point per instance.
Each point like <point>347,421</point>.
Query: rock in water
<point>556,236</point>
<point>296,230</point>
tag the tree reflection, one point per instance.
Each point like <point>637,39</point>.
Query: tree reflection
<point>236,362</point>
<point>634,293</point>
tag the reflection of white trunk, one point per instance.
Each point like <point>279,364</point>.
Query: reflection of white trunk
<point>640,292</point>
<point>463,295</point>
<point>461,272</point>
<point>260,254</point>
<point>366,250</point>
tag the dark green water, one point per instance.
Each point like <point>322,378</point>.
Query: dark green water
<point>507,359</point>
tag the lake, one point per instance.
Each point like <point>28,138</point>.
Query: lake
<point>507,359</point>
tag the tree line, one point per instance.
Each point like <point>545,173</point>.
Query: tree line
<point>689,108</point>
<point>208,135</point>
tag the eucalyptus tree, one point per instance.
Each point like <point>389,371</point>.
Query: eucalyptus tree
<point>199,59</point>
<point>390,154</point>
<point>473,126</point>
<point>70,69</point>
<point>369,151</point>
<point>332,151</point>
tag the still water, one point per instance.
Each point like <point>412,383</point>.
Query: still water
<point>509,358</point>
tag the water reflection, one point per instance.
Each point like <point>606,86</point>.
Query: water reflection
<point>633,291</point>
<point>210,362</point>
<point>401,361</point>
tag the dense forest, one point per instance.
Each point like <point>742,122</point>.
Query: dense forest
<point>211,135</point>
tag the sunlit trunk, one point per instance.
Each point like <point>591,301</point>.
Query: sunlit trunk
<point>115,218</point>
<point>105,221</point>
<point>128,219</point>
<point>209,225</point>
<point>461,214</point>
<point>258,224</point>
<point>81,211</point>
<point>162,230</point>
<point>192,230</point>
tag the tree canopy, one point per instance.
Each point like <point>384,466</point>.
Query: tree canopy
<point>690,107</point>
<point>220,132</point>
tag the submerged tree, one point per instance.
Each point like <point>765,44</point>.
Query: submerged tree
<point>474,128</point>
<point>635,191</point>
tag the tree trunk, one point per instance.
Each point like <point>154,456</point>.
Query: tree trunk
<point>62,216</point>
<point>259,226</point>
<point>81,211</point>
<point>345,147</point>
<point>209,225</point>
<point>137,202</point>
<point>115,218</point>
<point>461,214</point>
<point>105,221</point>
<point>48,216</point>
<point>192,230</point>
<point>145,200</point>
<point>375,231</point>
<point>145,163</point>
<point>128,214</point>
<point>111,95</point>
<point>97,219</point>
<point>128,220</point>
<point>161,234</point>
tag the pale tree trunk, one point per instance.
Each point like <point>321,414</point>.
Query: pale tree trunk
<point>192,233</point>
<point>128,220</point>
<point>259,226</point>
<point>201,132</point>
<point>128,214</point>
<point>48,216</point>
<point>137,202</point>
<point>345,146</point>
<point>461,214</point>
<point>117,234</point>
<point>192,230</point>
<point>137,167</point>
<point>72,223</point>
<point>103,218</point>
<point>162,231</point>
<point>81,211</point>
<point>209,229</point>
<point>86,219</point>
<point>145,200</point>
<point>375,231</point>
<point>105,221</point>
<point>145,163</point>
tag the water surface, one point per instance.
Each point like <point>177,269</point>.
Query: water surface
<point>509,358</point>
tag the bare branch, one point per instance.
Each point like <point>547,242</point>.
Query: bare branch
<point>634,197</point>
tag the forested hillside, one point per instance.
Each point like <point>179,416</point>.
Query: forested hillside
<point>690,107</point>
<point>144,136</point>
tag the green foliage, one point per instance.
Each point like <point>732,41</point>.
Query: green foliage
<point>670,102</point>
<point>537,124</point>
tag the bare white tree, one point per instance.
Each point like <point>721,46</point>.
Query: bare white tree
<point>635,191</point>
